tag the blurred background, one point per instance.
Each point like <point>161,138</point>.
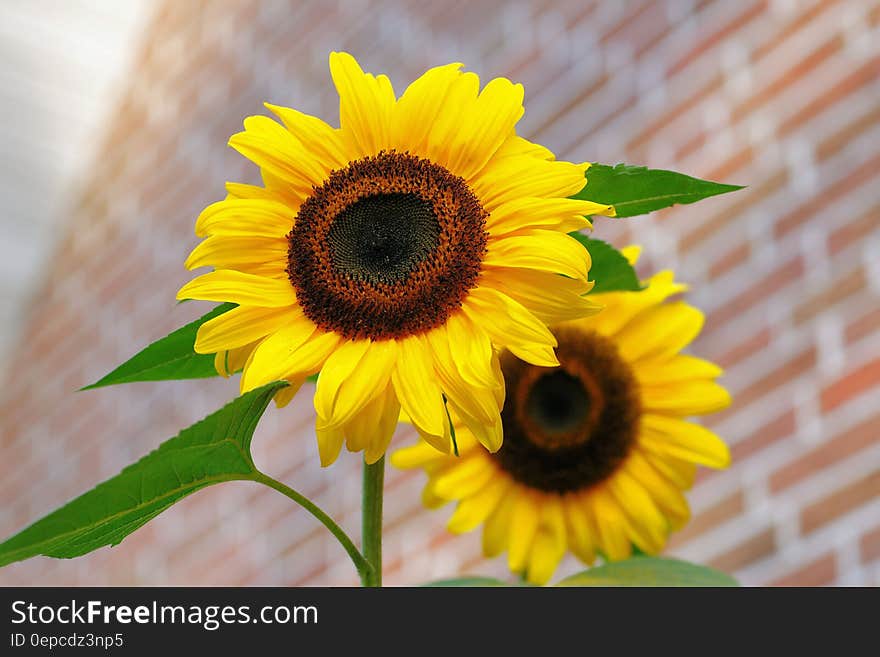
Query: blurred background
<point>114,118</point>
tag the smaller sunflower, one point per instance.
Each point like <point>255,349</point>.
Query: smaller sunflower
<point>597,452</point>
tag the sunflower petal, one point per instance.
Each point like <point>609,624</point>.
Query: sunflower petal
<point>683,440</point>
<point>240,326</point>
<point>544,250</point>
<point>419,106</point>
<point>237,287</point>
<point>416,386</point>
<point>473,510</point>
<point>365,104</point>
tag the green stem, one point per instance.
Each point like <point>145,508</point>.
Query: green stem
<point>365,570</point>
<point>374,478</point>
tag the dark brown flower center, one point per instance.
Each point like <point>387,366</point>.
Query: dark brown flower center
<point>387,247</point>
<point>570,427</point>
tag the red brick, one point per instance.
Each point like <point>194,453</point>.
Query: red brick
<point>735,257</point>
<point>866,325</point>
<point>800,69</point>
<point>863,75</point>
<point>755,548</point>
<point>742,202</point>
<point>869,545</point>
<point>714,38</point>
<point>854,230</point>
<point>846,185</point>
<point>785,274</point>
<point>710,518</point>
<point>834,143</point>
<point>821,572</point>
<point>770,434</point>
<point>748,347</point>
<point>789,371</point>
<point>839,503</point>
<point>851,385</point>
<point>824,456</point>
<point>657,126</point>
<point>802,17</point>
<point>839,290</point>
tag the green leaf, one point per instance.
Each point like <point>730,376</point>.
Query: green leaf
<point>639,190</point>
<point>610,270</point>
<point>467,581</point>
<point>169,358</point>
<point>650,571</point>
<point>211,451</point>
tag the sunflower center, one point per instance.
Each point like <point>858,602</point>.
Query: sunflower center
<point>387,247</point>
<point>557,403</point>
<point>382,238</point>
<point>569,428</point>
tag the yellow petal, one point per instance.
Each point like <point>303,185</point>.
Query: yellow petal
<point>506,179</point>
<point>474,510</point>
<point>510,321</point>
<point>543,250</point>
<point>338,367</point>
<point>664,493</point>
<point>523,528</point>
<point>581,534</point>
<point>610,523</point>
<point>463,477</point>
<point>255,217</point>
<point>329,444</point>
<point>287,354</point>
<point>227,251</point>
<point>683,440</point>
<point>685,398</point>
<point>284,396</point>
<point>320,139</point>
<point>516,146</point>
<point>383,429</point>
<point>471,350</point>
<point>622,307</point>
<point>237,287</point>
<point>552,298</point>
<point>562,214</point>
<point>268,145</point>
<point>681,367</point>
<point>647,526</point>
<point>549,544</point>
<point>416,456</point>
<point>417,109</point>
<point>660,331</point>
<point>241,326</point>
<point>365,105</point>
<point>416,386</point>
<point>499,526</point>
<point>490,119</point>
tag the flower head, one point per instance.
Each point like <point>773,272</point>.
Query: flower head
<point>396,255</point>
<point>597,451</point>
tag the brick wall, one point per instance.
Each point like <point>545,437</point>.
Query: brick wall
<point>781,96</point>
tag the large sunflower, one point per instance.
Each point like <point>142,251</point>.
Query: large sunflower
<point>396,255</point>
<point>597,451</point>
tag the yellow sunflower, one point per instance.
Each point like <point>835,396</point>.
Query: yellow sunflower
<point>396,255</point>
<point>597,451</point>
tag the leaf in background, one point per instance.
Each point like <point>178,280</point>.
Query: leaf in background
<point>639,190</point>
<point>214,450</point>
<point>650,571</point>
<point>466,581</point>
<point>610,270</point>
<point>169,358</point>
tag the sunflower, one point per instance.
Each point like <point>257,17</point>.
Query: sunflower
<point>597,451</point>
<point>396,255</point>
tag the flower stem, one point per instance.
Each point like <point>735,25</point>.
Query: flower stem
<point>363,566</point>
<point>374,479</point>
